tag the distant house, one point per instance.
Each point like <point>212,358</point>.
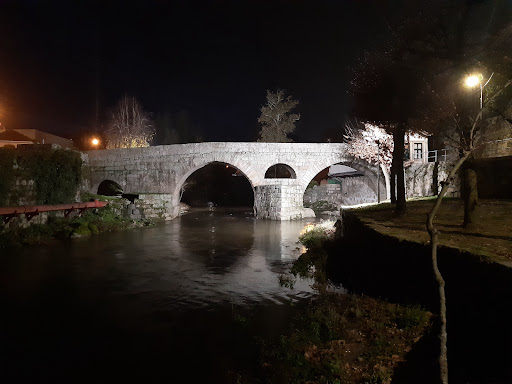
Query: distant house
<point>416,147</point>
<point>15,137</point>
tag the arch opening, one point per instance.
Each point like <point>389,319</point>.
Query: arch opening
<point>109,188</point>
<point>280,171</point>
<point>217,184</point>
<point>343,184</point>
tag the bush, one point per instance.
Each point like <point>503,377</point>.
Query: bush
<point>323,205</point>
<point>315,235</point>
<point>7,175</point>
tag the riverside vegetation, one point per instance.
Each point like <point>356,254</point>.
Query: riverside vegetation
<point>91,222</point>
<point>56,174</point>
<point>336,337</point>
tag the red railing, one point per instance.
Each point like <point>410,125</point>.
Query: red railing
<point>32,210</point>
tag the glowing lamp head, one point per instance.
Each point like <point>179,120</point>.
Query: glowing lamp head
<point>472,81</point>
<point>95,142</point>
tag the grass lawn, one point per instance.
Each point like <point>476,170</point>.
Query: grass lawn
<point>490,238</point>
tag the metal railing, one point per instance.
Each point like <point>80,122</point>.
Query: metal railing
<point>436,155</point>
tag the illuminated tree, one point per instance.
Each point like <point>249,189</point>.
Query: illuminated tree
<point>372,144</point>
<point>276,119</point>
<point>386,81</point>
<point>129,125</point>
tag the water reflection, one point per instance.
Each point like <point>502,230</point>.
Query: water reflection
<point>143,299</point>
<point>201,259</point>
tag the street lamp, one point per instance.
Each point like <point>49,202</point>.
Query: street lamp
<point>476,79</point>
<point>95,142</point>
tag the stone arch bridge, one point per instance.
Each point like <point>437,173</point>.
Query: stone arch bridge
<point>157,173</point>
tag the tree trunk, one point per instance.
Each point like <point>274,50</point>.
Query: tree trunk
<point>398,158</point>
<point>392,185</point>
<point>386,179</point>
<point>434,233</point>
<point>470,194</point>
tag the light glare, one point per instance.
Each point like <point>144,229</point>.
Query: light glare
<point>472,81</point>
<point>95,141</point>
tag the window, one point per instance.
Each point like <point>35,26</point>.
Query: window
<point>418,151</point>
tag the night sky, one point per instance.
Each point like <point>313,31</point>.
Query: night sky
<point>64,64</point>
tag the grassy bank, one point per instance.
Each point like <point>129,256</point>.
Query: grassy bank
<point>90,222</point>
<point>338,338</point>
<point>334,337</point>
<point>491,238</point>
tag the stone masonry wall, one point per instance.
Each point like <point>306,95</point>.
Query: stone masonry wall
<point>267,201</point>
<point>351,191</point>
<point>155,206</point>
<point>425,180</point>
<point>278,202</point>
<point>164,169</point>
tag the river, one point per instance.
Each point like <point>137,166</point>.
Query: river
<point>149,303</point>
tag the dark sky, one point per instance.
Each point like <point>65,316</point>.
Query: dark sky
<point>213,59</point>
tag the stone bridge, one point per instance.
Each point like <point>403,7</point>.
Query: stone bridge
<point>157,173</point>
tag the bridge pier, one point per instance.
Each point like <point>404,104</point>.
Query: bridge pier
<point>279,201</point>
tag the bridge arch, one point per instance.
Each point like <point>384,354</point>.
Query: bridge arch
<point>191,171</point>
<point>280,171</point>
<point>109,188</point>
<point>366,184</point>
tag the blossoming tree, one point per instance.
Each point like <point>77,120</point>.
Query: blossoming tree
<point>373,144</point>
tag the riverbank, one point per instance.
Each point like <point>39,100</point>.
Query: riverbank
<point>334,337</point>
<point>389,257</point>
<point>90,222</point>
<point>490,239</point>
<point>338,338</point>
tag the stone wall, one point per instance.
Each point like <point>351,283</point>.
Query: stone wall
<point>326,192</point>
<point>155,206</point>
<point>351,191</point>
<point>360,190</point>
<point>23,193</point>
<point>425,180</point>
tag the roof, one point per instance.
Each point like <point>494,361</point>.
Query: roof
<point>10,135</point>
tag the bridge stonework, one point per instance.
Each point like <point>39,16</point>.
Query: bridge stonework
<point>158,173</point>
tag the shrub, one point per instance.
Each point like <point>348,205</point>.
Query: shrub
<point>315,235</point>
<point>323,205</point>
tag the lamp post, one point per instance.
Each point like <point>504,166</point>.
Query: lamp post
<point>476,79</point>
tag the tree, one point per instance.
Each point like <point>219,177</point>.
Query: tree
<point>386,81</point>
<point>372,144</point>
<point>448,108</point>
<point>129,125</point>
<point>467,151</point>
<point>276,119</point>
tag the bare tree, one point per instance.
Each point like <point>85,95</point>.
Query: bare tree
<point>469,144</point>
<point>129,126</point>
<point>276,119</point>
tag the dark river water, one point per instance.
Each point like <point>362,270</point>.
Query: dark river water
<point>153,304</point>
